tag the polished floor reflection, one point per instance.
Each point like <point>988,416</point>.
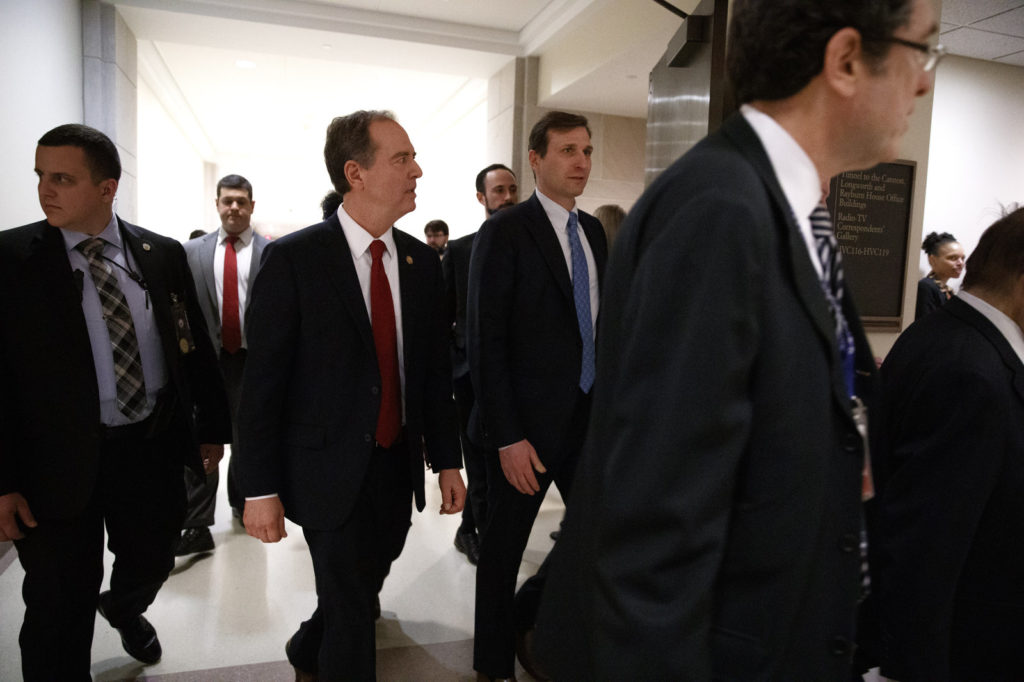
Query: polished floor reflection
<point>226,615</point>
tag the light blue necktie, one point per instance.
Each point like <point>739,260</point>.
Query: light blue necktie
<point>581,296</point>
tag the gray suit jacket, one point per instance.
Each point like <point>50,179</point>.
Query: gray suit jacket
<point>200,260</point>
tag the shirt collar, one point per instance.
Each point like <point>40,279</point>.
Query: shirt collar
<point>245,237</point>
<point>1003,322</point>
<point>556,213</point>
<point>110,234</point>
<point>359,239</point>
<point>793,168</point>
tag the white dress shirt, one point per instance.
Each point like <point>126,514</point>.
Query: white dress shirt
<point>795,172</point>
<point>243,261</point>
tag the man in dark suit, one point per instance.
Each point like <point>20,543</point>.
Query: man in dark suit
<point>533,300</point>
<point>715,522</point>
<point>333,427</point>
<point>221,275</point>
<point>109,385</point>
<point>496,188</point>
<point>948,547</point>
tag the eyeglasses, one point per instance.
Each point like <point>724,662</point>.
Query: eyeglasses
<point>929,56</point>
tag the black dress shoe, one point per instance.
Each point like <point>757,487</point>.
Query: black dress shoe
<point>194,540</point>
<point>480,677</point>
<point>467,542</point>
<point>524,652</point>
<point>138,637</point>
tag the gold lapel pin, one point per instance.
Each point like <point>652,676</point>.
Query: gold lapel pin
<point>408,259</point>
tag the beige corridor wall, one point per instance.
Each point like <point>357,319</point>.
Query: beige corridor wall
<point>41,82</point>
<point>977,148</point>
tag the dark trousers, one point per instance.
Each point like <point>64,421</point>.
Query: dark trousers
<point>474,458</point>
<point>140,498</point>
<point>202,490</point>
<point>500,612</point>
<point>350,564</point>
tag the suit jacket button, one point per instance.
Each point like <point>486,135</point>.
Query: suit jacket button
<point>840,646</point>
<point>852,444</point>
<point>850,542</point>
<point>374,390</point>
<point>367,437</point>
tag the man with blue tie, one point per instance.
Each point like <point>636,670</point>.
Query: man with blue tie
<point>534,280</point>
<point>224,265</point>
<point>110,385</point>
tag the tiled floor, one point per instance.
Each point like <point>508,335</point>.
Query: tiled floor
<point>225,616</point>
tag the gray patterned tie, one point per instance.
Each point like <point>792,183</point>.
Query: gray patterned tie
<point>131,386</point>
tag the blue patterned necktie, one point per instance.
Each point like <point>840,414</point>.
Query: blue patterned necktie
<point>832,285</point>
<point>581,296</point>
<point>129,380</point>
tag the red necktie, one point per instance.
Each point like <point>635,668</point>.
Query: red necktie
<point>385,338</point>
<point>230,328</point>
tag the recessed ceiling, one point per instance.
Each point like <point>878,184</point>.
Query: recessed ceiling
<point>428,60</point>
<point>985,29</point>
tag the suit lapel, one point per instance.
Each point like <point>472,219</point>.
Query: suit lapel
<point>147,261</point>
<point>969,315</point>
<point>805,278</point>
<point>407,290</point>
<point>340,271</point>
<point>551,251</point>
<point>61,292</point>
<point>598,244</point>
<point>207,252</point>
<point>257,253</point>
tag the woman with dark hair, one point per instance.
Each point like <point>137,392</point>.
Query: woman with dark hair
<point>946,258</point>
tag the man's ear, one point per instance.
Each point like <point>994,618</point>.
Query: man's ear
<point>534,158</point>
<point>844,64</point>
<point>354,174</point>
<point>108,189</point>
<point>480,197</point>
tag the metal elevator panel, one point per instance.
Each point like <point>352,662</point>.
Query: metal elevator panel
<point>687,96</point>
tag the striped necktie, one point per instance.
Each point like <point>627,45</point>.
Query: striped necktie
<point>832,285</point>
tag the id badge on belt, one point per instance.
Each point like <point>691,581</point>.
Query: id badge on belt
<point>181,327</point>
<point>860,418</point>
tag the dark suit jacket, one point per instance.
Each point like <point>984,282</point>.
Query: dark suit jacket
<point>524,341</point>
<point>948,550</point>
<point>713,528</point>
<point>200,254</point>
<point>311,388</point>
<point>929,297</point>
<point>50,414</point>
<point>455,267</point>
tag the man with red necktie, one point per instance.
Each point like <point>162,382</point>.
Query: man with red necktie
<point>224,264</point>
<point>346,388</point>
